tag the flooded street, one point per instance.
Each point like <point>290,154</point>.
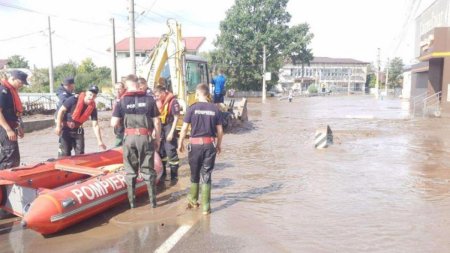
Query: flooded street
<point>382,187</point>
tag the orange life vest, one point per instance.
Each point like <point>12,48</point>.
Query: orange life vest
<point>165,107</point>
<point>18,109</point>
<point>82,117</point>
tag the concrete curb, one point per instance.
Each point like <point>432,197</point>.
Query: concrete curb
<point>34,125</point>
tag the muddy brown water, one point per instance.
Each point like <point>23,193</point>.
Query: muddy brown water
<point>382,187</point>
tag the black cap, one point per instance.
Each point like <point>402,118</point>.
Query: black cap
<point>93,89</point>
<point>22,76</point>
<point>69,80</point>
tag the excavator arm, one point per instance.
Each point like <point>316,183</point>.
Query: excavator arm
<point>170,49</point>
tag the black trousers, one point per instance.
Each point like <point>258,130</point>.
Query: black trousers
<point>202,158</point>
<point>168,149</point>
<point>9,151</point>
<point>72,139</point>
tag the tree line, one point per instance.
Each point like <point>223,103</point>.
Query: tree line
<point>86,73</point>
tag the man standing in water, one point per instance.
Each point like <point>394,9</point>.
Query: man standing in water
<point>170,111</point>
<point>205,142</point>
<point>140,116</point>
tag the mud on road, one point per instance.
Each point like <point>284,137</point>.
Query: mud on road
<point>382,187</point>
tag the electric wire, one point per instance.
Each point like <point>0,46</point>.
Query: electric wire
<point>21,36</point>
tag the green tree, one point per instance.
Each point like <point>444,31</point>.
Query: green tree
<point>65,70</point>
<point>248,27</point>
<point>17,61</point>
<point>299,38</point>
<point>395,72</point>
<point>86,66</point>
<point>103,75</point>
<point>371,80</point>
<point>39,80</point>
<point>85,75</point>
<point>89,74</point>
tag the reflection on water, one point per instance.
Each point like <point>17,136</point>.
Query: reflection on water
<point>382,187</point>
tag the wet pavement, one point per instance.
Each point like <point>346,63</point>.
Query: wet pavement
<point>382,187</point>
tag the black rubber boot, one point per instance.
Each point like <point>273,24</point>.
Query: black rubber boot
<point>173,172</point>
<point>193,196</point>
<point>131,197</point>
<point>151,188</point>
<point>164,174</point>
<point>206,199</point>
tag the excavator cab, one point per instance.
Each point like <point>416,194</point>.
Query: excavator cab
<point>196,72</point>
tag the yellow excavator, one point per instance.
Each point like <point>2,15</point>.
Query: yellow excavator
<point>169,65</point>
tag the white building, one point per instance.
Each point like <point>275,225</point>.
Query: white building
<point>336,74</point>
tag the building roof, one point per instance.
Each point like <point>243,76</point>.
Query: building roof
<point>3,62</point>
<point>328,60</point>
<point>148,43</point>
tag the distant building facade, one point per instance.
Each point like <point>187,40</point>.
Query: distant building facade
<point>336,74</point>
<point>431,76</point>
<point>143,46</point>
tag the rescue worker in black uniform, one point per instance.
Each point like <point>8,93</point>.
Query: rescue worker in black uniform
<point>119,89</point>
<point>205,142</point>
<point>140,117</point>
<point>69,123</point>
<point>64,92</point>
<point>169,110</point>
<point>10,119</point>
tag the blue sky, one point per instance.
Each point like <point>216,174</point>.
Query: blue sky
<point>346,28</point>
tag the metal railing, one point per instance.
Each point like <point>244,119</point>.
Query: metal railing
<point>417,100</point>
<point>44,102</point>
<point>434,102</point>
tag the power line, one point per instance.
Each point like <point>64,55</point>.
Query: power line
<point>78,44</point>
<point>21,36</point>
<point>143,13</point>
<point>17,7</point>
<point>180,18</point>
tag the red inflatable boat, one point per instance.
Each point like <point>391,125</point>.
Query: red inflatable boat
<point>54,195</point>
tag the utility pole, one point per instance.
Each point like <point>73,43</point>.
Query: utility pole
<point>387,78</point>
<point>264,75</point>
<point>377,84</point>
<point>132,38</point>
<point>50,69</point>
<point>113,53</point>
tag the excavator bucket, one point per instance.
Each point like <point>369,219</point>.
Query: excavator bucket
<point>242,110</point>
<point>233,114</point>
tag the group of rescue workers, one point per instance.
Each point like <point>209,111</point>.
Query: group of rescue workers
<point>144,122</point>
